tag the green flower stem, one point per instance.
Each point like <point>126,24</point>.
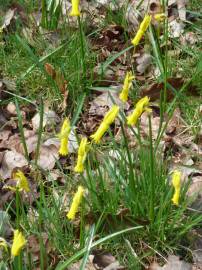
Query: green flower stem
<point>82,51</point>
<point>151,172</point>
<point>19,257</point>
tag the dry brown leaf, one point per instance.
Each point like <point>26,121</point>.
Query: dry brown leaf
<point>174,263</point>
<point>58,77</point>
<point>99,260</point>
<point>175,123</point>
<point>154,90</point>
<point>195,188</point>
<point>50,118</point>
<point>197,249</point>
<point>176,29</point>
<point>189,38</point>
<point>77,265</point>
<point>143,62</point>
<point>144,124</point>
<point>49,151</point>
<point>31,140</point>
<point>110,39</point>
<point>102,103</point>
<point>10,15</point>
<point>4,135</point>
<point>14,142</point>
<point>11,109</point>
<point>105,260</point>
<point>33,245</point>
<point>50,70</point>
<point>181,5</point>
<point>134,16</point>
<point>56,175</point>
<point>11,160</point>
<point>3,120</point>
<point>48,156</point>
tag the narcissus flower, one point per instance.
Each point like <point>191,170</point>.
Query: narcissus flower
<point>75,8</point>
<point>22,182</point>
<point>141,106</point>
<point>176,177</point>
<point>75,203</point>
<point>126,86</point>
<point>160,17</point>
<point>142,29</point>
<point>106,122</point>
<point>64,134</point>
<point>82,152</point>
<point>18,243</point>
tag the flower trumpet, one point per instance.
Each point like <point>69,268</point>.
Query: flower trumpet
<point>142,29</point>
<point>75,203</point>
<point>126,86</point>
<point>64,134</point>
<point>141,106</point>
<point>82,152</point>
<point>22,182</point>
<point>176,184</point>
<point>75,8</point>
<point>18,243</point>
<point>106,122</point>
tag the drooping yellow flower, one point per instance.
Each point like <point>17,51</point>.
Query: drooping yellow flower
<point>160,17</point>
<point>22,182</point>
<point>126,86</point>
<point>64,134</point>
<point>82,152</point>
<point>75,8</point>
<point>75,203</point>
<point>142,29</point>
<point>176,177</point>
<point>141,106</point>
<point>106,122</point>
<point>3,244</point>
<point>18,243</point>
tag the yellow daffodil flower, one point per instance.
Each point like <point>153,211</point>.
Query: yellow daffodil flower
<point>82,152</point>
<point>176,177</point>
<point>18,243</point>
<point>160,17</point>
<point>22,182</point>
<point>141,106</point>
<point>126,86</point>
<point>3,244</point>
<point>75,8</point>
<point>106,122</point>
<point>75,203</point>
<point>142,29</point>
<point>64,134</point>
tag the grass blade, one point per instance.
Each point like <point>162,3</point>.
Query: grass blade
<point>89,244</point>
<point>111,59</point>
<point>40,131</point>
<point>79,108</point>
